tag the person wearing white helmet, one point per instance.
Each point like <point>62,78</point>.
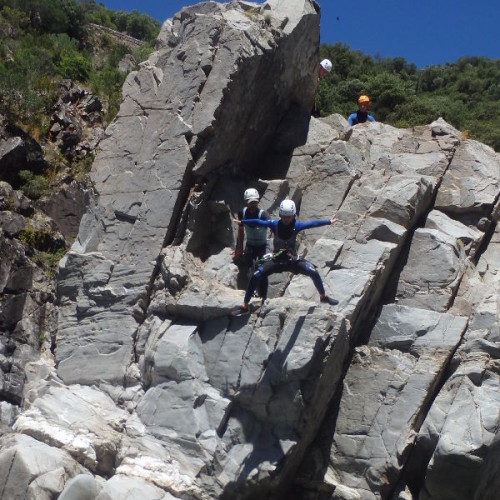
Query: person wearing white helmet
<point>325,67</point>
<point>284,257</point>
<point>257,243</point>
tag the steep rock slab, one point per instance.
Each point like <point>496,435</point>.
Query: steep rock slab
<point>326,183</point>
<point>81,420</point>
<point>32,469</point>
<point>438,255</point>
<point>215,392</point>
<point>471,393</point>
<point>376,218</point>
<point>278,401</point>
<point>468,402</point>
<point>385,392</point>
<point>255,369</point>
<point>190,107</point>
<point>460,429</point>
<point>432,275</point>
<point>212,428</point>
<point>471,186</point>
<point>259,446</point>
<point>479,296</point>
<point>327,176</point>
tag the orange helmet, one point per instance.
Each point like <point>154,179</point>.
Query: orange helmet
<point>363,98</point>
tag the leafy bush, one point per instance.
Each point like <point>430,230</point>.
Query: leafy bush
<point>141,26</point>
<point>108,82</point>
<point>33,186</point>
<point>13,22</point>
<point>50,44</point>
<point>142,53</point>
<point>74,66</point>
<point>47,251</point>
<point>81,167</point>
<point>49,260</point>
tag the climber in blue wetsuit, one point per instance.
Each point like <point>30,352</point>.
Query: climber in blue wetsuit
<point>284,258</point>
<point>257,244</point>
<point>361,115</point>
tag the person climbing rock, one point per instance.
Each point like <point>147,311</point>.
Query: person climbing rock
<point>284,258</point>
<point>361,115</point>
<point>257,243</point>
<point>325,67</point>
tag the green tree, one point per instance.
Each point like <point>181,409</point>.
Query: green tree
<point>13,22</point>
<point>139,27</point>
<point>386,91</point>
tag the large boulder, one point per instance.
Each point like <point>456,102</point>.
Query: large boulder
<point>18,151</point>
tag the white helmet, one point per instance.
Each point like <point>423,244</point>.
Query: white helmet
<point>251,194</point>
<point>287,207</point>
<point>326,64</point>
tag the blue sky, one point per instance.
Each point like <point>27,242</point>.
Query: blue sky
<point>424,32</point>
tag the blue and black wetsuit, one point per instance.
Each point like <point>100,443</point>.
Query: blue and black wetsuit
<point>285,238</point>
<point>256,245</point>
<point>359,117</point>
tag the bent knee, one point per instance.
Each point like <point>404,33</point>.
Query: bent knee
<point>311,268</point>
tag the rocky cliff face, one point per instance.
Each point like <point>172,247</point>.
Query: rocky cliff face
<point>155,392</point>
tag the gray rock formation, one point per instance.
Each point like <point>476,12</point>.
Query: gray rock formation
<point>76,124</point>
<point>156,392</point>
<point>18,152</point>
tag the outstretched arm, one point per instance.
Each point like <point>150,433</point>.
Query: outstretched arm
<point>301,225</point>
<point>257,222</point>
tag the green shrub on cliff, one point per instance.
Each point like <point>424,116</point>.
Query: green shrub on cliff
<point>42,42</point>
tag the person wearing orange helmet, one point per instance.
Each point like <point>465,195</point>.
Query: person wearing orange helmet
<point>361,115</point>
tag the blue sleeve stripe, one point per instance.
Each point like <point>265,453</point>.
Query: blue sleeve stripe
<point>299,225</point>
<point>261,222</point>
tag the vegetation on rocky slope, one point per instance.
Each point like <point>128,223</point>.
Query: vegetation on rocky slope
<point>60,84</point>
<point>44,42</point>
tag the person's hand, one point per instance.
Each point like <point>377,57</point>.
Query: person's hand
<point>237,221</point>
<point>334,219</point>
